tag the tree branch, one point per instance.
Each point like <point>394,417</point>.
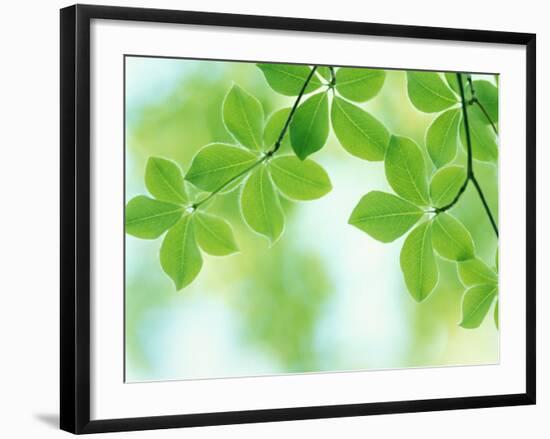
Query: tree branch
<point>476,101</point>
<point>469,167</point>
<point>485,205</point>
<point>291,114</point>
<point>227,183</point>
<point>332,76</point>
<point>485,113</point>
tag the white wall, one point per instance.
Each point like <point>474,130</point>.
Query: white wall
<point>29,247</point>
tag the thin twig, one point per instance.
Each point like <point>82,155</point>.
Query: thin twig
<point>291,114</point>
<point>475,100</point>
<point>466,125</point>
<point>227,183</point>
<point>470,176</point>
<point>332,76</point>
<point>485,205</point>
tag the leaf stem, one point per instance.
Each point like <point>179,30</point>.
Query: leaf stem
<point>291,114</point>
<point>485,205</point>
<point>456,198</point>
<point>228,182</point>
<point>332,76</point>
<point>469,167</point>
<point>476,101</point>
<point>270,153</point>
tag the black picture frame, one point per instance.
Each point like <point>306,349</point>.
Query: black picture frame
<point>75,217</point>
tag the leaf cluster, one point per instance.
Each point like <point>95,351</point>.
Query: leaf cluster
<point>422,203</point>
<point>169,211</point>
<point>359,132</point>
<point>220,168</point>
<point>419,207</point>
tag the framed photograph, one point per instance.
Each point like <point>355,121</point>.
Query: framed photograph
<point>268,218</point>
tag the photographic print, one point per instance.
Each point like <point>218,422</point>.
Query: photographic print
<point>289,218</point>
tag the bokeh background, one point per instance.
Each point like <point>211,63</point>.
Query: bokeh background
<point>326,296</point>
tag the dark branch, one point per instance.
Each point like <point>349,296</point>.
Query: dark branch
<point>476,101</point>
<point>485,205</point>
<point>291,114</point>
<point>485,113</point>
<point>470,169</point>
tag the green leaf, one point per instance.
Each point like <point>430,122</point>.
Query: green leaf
<point>244,117</point>
<point>446,184</point>
<point>484,146</point>
<point>324,72</point>
<point>428,92</point>
<point>148,219</point>
<point>288,79</point>
<point>384,216</point>
<point>496,314</point>
<point>476,303</point>
<point>214,235</point>
<point>218,163</point>
<point>309,126</point>
<point>299,180</point>
<point>451,239</point>
<point>180,257</point>
<point>452,81</point>
<point>406,170</point>
<point>476,272</point>
<point>442,137</point>
<point>418,262</point>
<point>361,134</point>
<point>487,95</point>
<point>261,207</point>
<point>230,187</point>
<point>359,85</point>
<point>164,180</point>
<point>274,126</point>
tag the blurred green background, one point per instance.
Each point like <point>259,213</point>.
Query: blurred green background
<point>326,296</point>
